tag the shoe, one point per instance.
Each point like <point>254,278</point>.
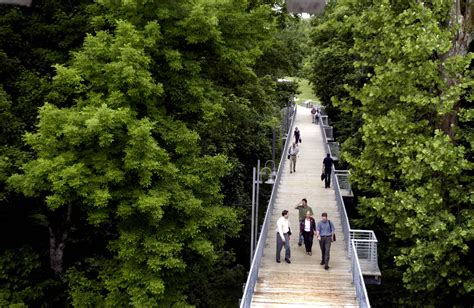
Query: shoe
<point>294,170</point>
<point>322,263</point>
<point>278,261</point>
<point>291,171</point>
<point>309,253</point>
<point>287,261</point>
<point>326,267</point>
<point>299,244</point>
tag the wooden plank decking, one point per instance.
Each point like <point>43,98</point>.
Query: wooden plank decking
<point>305,283</point>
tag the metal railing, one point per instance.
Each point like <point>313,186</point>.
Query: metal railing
<point>360,244</point>
<point>324,119</point>
<point>334,150</point>
<point>366,247</point>
<point>346,227</point>
<point>343,180</point>
<point>358,279</point>
<point>329,132</point>
<point>252,277</point>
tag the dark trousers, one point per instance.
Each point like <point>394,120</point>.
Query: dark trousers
<point>280,246</point>
<point>327,179</point>
<point>308,240</point>
<point>325,245</point>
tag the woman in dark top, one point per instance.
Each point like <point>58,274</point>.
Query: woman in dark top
<point>297,135</point>
<point>308,229</point>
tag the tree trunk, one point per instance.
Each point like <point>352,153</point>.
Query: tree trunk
<point>57,242</point>
<point>459,16</point>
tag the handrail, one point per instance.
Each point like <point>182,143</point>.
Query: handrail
<point>247,295</point>
<point>358,279</point>
<point>352,252</point>
<point>346,227</point>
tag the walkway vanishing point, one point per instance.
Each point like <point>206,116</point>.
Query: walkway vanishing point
<point>305,283</point>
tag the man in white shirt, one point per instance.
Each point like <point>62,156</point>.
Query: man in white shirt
<point>283,236</point>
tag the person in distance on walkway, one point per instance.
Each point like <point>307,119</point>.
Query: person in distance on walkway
<point>316,117</point>
<point>327,168</point>
<point>293,153</point>
<point>313,115</point>
<point>324,232</point>
<point>303,207</point>
<point>308,229</point>
<point>283,231</point>
<point>297,135</point>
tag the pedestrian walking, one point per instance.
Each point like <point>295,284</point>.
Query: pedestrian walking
<point>302,208</point>
<point>317,115</point>
<point>292,155</point>
<point>297,135</point>
<point>283,231</point>
<point>313,114</point>
<point>325,232</point>
<point>308,229</point>
<point>327,168</point>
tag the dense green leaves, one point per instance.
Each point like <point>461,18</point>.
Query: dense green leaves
<point>413,161</point>
<point>130,153</point>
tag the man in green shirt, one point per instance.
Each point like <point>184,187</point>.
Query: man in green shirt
<point>303,207</point>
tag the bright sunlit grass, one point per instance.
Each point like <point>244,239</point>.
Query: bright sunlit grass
<point>305,88</point>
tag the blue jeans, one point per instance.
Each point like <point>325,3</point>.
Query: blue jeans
<point>280,246</point>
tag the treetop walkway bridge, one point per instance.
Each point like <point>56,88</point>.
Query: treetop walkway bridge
<point>304,282</point>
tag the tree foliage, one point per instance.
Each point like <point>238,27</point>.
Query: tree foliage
<point>134,166</point>
<point>413,160</point>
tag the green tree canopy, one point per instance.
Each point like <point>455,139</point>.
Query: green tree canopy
<point>412,161</point>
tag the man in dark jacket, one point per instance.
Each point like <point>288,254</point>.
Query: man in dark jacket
<point>327,168</point>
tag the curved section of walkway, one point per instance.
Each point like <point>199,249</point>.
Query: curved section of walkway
<point>304,282</point>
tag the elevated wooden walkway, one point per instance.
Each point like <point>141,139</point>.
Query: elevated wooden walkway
<point>305,283</point>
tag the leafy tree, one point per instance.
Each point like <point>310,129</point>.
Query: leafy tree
<point>414,162</point>
<point>31,40</point>
<point>332,68</point>
<point>139,132</point>
<point>103,157</point>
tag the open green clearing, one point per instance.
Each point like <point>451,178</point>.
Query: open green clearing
<point>305,88</point>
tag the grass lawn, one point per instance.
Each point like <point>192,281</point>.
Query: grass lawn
<point>305,89</point>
